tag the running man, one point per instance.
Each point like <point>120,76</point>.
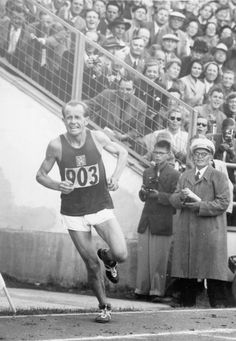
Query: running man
<point>85,198</point>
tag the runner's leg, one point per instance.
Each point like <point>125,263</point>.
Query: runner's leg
<point>84,244</point>
<point>110,231</point>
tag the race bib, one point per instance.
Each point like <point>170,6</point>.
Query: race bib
<point>85,176</point>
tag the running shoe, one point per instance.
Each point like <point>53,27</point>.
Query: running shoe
<point>105,314</point>
<point>110,266</point>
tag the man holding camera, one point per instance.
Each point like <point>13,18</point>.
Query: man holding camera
<point>155,226</point>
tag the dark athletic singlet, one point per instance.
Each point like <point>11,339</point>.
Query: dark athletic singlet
<point>85,169</point>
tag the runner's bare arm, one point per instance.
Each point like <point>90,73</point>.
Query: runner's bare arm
<point>52,155</point>
<point>116,149</point>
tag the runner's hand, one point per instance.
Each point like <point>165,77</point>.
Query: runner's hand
<point>112,184</point>
<point>66,187</point>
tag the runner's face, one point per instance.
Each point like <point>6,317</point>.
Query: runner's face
<point>74,120</point>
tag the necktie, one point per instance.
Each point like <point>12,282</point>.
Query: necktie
<point>197,176</point>
<point>135,64</point>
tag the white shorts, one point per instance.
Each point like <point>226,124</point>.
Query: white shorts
<point>85,223</point>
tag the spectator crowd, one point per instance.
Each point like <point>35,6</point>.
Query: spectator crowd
<point>159,60</point>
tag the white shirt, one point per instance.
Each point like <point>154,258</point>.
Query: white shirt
<point>13,39</point>
<point>201,171</point>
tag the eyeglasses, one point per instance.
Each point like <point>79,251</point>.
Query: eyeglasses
<point>173,118</point>
<point>201,124</point>
<point>200,154</point>
<point>159,153</point>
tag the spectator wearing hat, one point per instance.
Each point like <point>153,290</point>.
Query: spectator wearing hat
<point>113,11</point>
<point>199,50</point>
<point>174,25</point>
<point>192,88</point>
<point>118,27</point>
<point>220,53</point>
<point>169,44</point>
<point>155,225</point>
<point>225,145</point>
<point>200,240</point>
<point>212,110</point>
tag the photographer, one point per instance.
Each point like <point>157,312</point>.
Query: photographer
<point>155,226</point>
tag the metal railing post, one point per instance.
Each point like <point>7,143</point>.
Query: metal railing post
<point>78,67</point>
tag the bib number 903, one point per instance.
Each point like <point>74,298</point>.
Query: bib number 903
<point>85,176</point>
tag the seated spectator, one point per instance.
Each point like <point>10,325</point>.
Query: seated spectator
<point>211,110</point>
<point>179,137</point>
<point>205,14</point>
<point>168,46</point>
<point>210,76</point>
<point>100,7</point>
<point>72,11</point>
<point>121,111</point>
<point>118,27</point>
<point>14,38</point>
<point>145,34</point>
<point>199,51</point>
<point>202,126</point>
<point>192,31</point>
<point>192,88</point>
<point>210,35</point>
<point>220,53</point>
<point>176,20</point>
<point>149,95</point>
<point>171,77</point>
<point>160,18</point>
<point>228,82</point>
<point>230,105</point>
<point>113,11</point>
<point>225,145</point>
<point>139,19</point>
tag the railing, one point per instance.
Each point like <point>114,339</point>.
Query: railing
<point>65,64</point>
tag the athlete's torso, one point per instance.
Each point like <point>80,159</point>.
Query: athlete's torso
<point>85,169</point>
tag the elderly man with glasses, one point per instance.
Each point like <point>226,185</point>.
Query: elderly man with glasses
<point>200,241</point>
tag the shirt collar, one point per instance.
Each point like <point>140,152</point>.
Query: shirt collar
<point>201,171</point>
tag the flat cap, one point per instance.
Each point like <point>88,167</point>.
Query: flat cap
<point>170,36</point>
<point>177,14</point>
<point>202,143</point>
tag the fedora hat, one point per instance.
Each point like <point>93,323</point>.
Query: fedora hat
<point>111,42</point>
<point>119,21</point>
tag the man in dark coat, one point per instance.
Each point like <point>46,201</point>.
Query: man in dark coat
<point>155,226</point>
<point>200,239</point>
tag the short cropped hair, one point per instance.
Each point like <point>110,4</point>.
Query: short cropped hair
<point>74,103</point>
<point>163,144</point>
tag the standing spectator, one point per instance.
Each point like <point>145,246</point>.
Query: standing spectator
<point>121,111</point>
<point>72,13</point>
<point>174,25</point>
<point>171,77</point>
<point>160,18</point>
<point>193,89</point>
<point>118,27</point>
<point>199,51</point>
<point>192,30</point>
<point>200,241</point>
<point>91,20</point>
<point>100,7</point>
<point>155,226</point>
<point>113,11</point>
<point>135,56</point>
<point>205,14</point>
<point>139,19</point>
<point>211,110</point>
<point>202,126</point>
